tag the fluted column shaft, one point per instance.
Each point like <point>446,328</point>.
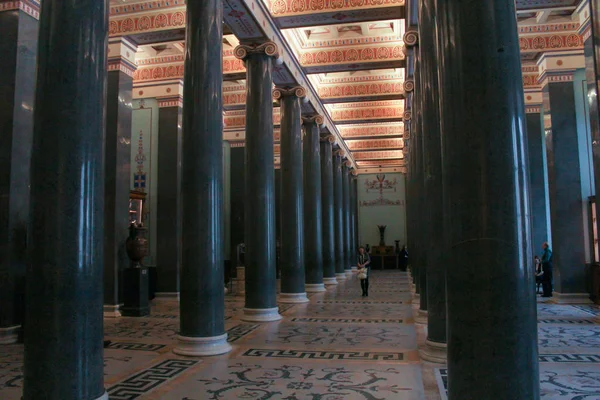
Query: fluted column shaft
<point>292,197</point>
<point>353,233</point>
<point>338,213</point>
<point>486,198</point>
<point>202,290</point>
<point>328,211</point>
<point>313,233</point>
<point>63,343</point>
<point>259,214</point>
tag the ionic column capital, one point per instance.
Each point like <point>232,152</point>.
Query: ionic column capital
<point>297,91</point>
<point>409,85</point>
<point>339,153</point>
<point>269,48</point>
<point>313,119</point>
<point>407,115</point>
<point>328,138</point>
<point>411,38</point>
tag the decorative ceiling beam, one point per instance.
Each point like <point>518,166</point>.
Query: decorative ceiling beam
<point>352,58</point>
<point>379,155</point>
<point>361,91</point>
<point>374,111</point>
<point>306,13</point>
<point>375,144</point>
<point>372,130</point>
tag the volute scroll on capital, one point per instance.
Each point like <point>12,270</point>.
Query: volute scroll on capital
<point>339,153</point>
<point>298,91</point>
<point>409,85</point>
<point>407,115</point>
<point>411,38</point>
<point>328,138</point>
<point>269,48</point>
<point>314,119</point>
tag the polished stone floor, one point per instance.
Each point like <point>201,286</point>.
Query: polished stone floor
<point>339,346</point>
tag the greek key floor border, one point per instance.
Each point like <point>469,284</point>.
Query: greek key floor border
<point>328,355</point>
<point>348,320</point>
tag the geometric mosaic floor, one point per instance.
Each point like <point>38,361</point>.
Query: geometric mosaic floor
<point>569,352</point>
<point>338,346</point>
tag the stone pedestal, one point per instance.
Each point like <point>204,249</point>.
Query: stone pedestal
<point>434,352</point>
<point>135,292</point>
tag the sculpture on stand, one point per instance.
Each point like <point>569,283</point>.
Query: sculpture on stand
<point>382,234</point>
<point>136,280</point>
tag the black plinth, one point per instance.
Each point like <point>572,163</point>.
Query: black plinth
<point>135,292</point>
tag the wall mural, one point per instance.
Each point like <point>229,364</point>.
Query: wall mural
<point>381,185</point>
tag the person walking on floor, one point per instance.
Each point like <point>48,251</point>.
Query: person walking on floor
<point>403,258</point>
<point>364,270</point>
<point>547,270</point>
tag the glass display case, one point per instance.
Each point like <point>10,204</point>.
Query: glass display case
<point>137,202</point>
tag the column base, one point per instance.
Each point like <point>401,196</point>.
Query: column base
<point>315,287</point>
<point>570,298</point>
<point>261,314</point>
<point>104,396</point>
<point>435,352</point>
<point>348,272</point>
<point>202,346</point>
<point>293,298</point>
<point>112,311</point>
<point>340,276</point>
<point>330,281</point>
<point>166,296</point>
<point>417,298</point>
<point>354,269</point>
<point>10,334</point>
<point>421,317</point>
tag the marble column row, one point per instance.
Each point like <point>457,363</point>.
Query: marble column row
<point>472,242</point>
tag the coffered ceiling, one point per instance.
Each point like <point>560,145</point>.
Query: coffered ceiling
<point>347,52</point>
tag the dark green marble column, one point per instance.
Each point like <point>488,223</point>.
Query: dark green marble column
<point>313,232</point>
<point>420,251</point>
<point>338,216</point>
<point>352,207</point>
<point>202,304</point>
<point>346,217</point>
<point>261,291</point>
<point>591,48</point>
<point>435,349</point>
<point>63,340</point>
<point>354,189</point>
<point>292,207</point>
<point>168,198</point>
<point>327,210</point>
<point>566,185</point>
<point>18,46</point>
<point>538,173</point>
<point>492,326</point>
<point>117,164</point>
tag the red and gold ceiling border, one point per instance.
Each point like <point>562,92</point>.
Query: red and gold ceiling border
<point>378,155</point>
<point>29,7</point>
<point>375,144</point>
<point>371,130</point>
<point>361,91</point>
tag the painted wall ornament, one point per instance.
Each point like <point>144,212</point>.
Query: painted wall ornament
<point>382,186</point>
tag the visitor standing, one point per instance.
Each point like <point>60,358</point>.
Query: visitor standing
<point>364,270</point>
<point>403,258</point>
<point>539,274</point>
<point>547,270</point>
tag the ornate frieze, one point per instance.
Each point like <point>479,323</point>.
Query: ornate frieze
<point>152,21</point>
<point>555,42</point>
<point>374,144</point>
<point>29,7</point>
<point>351,55</point>
<point>360,90</point>
<point>367,130</point>
<point>378,155</point>
<point>175,101</point>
